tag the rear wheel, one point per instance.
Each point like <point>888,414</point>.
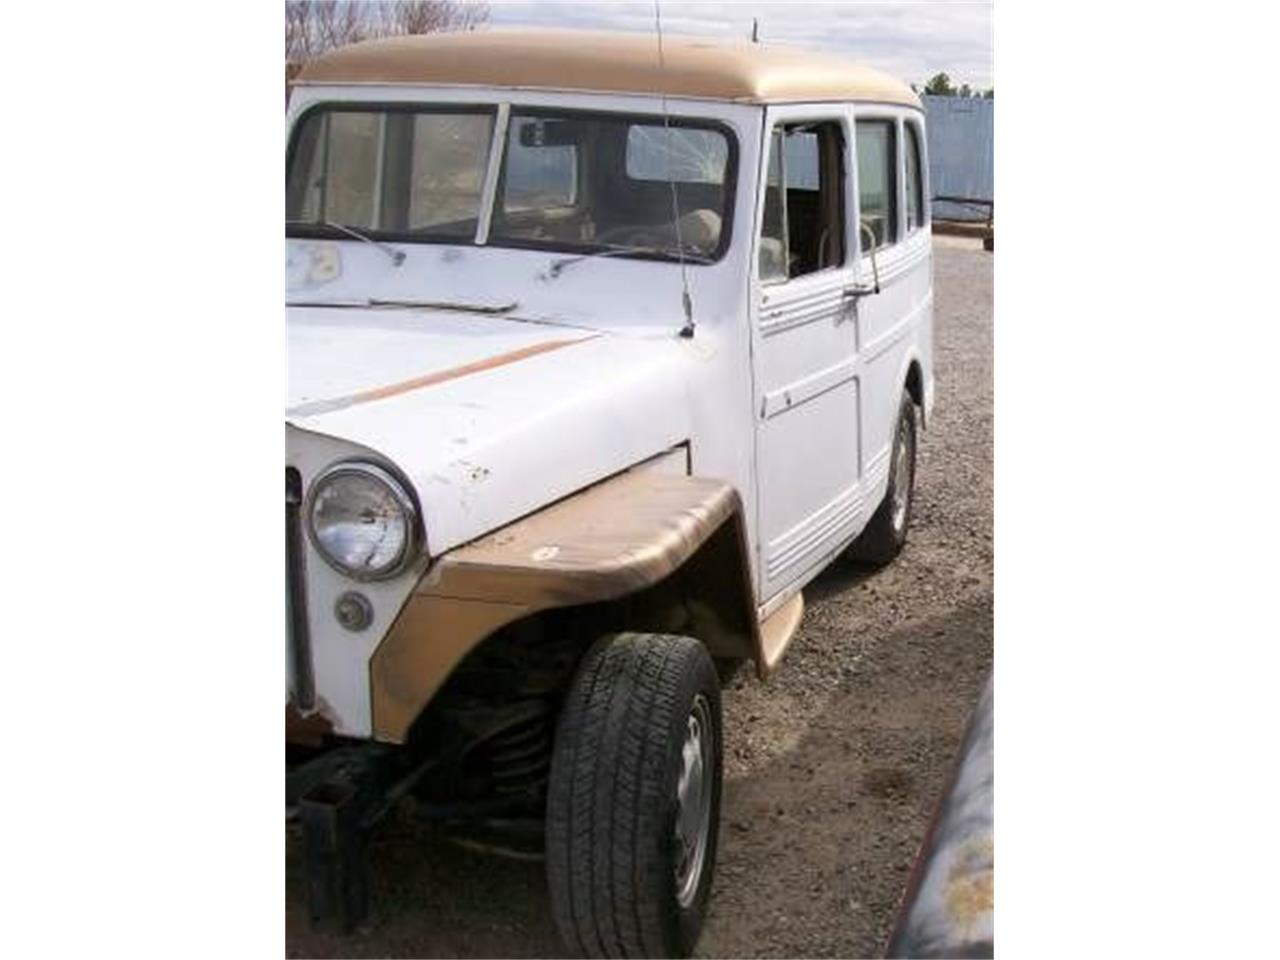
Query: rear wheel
<point>633,807</point>
<point>884,537</point>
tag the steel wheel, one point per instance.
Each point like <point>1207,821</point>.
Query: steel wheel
<point>903,475</point>
<point>886,532</point>
<point>693,802</point>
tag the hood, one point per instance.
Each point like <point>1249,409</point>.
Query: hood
<point>488,418</point>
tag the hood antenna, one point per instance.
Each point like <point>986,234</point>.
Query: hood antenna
<point>687,330</point>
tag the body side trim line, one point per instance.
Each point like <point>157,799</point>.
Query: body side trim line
<point>792,395</point>
<point>895,333</point>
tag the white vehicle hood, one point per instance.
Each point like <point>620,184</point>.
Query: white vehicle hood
<point>489,418</point>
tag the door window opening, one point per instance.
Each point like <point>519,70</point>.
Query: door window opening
<point>802,230</point>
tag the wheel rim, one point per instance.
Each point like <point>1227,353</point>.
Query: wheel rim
<point>693,801</point>
<point>902,476</point>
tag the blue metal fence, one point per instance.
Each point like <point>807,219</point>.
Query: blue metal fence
<point>961,138</point>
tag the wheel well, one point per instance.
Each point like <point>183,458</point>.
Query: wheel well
<point>708,598</point>
<point>491,723</point>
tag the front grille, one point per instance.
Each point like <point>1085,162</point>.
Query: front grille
<point>298,642</point>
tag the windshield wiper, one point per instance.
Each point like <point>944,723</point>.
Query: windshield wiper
<point>493,309</point>
<point>397,256</point>
<point>613,250</point>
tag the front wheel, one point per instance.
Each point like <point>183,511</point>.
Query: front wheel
<point>886,534</point>
<point>633,806</point>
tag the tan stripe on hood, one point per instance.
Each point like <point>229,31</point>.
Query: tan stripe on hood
<point>313,407</point>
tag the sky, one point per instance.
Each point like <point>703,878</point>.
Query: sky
<point>912,40</point>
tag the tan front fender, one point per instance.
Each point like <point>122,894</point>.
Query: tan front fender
<point>614,539</point>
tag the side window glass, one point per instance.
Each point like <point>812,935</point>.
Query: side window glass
<point>914,184</point>
<point>773,234</point>
<point>803,224</point>
<point>877,186</point>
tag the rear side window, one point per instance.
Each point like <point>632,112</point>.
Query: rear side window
<point>877,185</point>
<point>915,181</point>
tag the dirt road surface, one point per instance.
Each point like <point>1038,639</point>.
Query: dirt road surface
<point>833,767</point>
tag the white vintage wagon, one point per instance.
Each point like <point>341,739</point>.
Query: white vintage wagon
<point>596,357</point>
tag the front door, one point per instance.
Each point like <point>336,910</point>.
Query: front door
<point>806,384</point>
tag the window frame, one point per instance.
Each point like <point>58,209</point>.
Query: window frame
<point>845,190</point>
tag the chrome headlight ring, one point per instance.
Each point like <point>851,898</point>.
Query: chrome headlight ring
<point>362,520</point>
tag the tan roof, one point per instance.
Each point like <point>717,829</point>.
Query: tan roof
<point>610,62</point>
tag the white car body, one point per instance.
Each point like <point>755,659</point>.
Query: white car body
<point>787,391</point>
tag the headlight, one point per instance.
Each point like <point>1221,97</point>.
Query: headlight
<point>362,521</point>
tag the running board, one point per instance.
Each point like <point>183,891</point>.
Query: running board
<point>776,631</point>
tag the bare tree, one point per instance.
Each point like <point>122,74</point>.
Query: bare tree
<point>295,32</point>
<point>431,16</point>
<point>313,27</point>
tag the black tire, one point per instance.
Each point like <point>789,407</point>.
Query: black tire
<point>883,539</point>
<point>612,848</point>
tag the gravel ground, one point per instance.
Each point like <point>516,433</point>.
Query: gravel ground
<point>833,767</point>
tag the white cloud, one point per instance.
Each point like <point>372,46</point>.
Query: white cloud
<point>912,40</point>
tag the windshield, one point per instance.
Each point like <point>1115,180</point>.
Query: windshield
<point>389,173</point>
<point>568,181</point>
